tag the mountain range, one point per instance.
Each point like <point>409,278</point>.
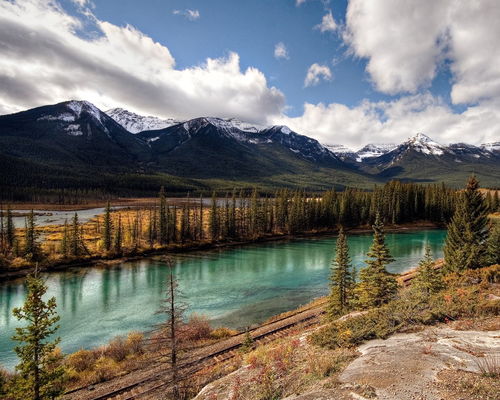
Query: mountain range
<point>75,145</point>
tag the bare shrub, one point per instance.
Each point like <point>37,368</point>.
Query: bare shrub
<point>105,368</point>
<point>117,349</point>
<point>81,360</point>
<point>222,333</point>
<point>196,328</point>
<point>135,343</point>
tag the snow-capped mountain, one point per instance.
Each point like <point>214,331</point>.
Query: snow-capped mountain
<point>71,133</point>
<point>494,147</point>
<point>373,150</point>
<point>136,123</point>
<point>208,130</point>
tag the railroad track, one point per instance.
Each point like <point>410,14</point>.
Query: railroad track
<point>158,379</point>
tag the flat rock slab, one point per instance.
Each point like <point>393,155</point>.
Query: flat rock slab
<point>405,366</point>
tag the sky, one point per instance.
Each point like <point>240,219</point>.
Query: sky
<point>346,72</point>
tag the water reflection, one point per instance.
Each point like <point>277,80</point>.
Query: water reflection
<point>234,287</point>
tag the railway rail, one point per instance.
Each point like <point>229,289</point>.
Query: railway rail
<point>146,384</point>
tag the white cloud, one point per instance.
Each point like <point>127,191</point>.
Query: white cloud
<point>191,15</point>
<point>44,61</point>
<point>298,3</point>
<point>328,24</point>
<point>406,43</point>
<point>315,73</point>
<point>280,51</point>
<point>395,121</point>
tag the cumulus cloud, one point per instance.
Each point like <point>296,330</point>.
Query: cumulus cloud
<point>394,121</point>
<point>280,51</point>
<point>191,15</point>
<point>315,73</point>
<point>44,61</point>
<point>406,42</point>
<point>328,24</point>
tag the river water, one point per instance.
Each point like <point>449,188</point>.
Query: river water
<point>234,287</point>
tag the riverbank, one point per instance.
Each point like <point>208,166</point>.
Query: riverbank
<point>10,274</point>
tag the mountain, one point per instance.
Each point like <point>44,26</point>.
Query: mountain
<point>207,147</point>
<point>422,159</point>
<point>75,145</point>
<point>72,133</point>
<point>373,150</point>
<point>136,123</point>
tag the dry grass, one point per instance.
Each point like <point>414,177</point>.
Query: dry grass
<point>489,365</point>
<point>456,384</point>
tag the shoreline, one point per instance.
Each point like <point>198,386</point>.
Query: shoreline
<point>11,275</point>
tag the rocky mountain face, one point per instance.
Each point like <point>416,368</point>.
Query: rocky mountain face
<point>79,138</point>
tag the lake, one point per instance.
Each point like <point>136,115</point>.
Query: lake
<point>234,287</point>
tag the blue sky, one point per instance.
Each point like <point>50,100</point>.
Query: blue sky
<point>378,72</point>
<point>252,29</point>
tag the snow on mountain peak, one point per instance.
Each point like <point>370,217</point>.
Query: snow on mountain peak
<point>374,150</point>
<point>136,123</point>
<point>426,145</point>
<point>493,146</point>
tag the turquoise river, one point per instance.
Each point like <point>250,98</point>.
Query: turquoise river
<point>234,287</point>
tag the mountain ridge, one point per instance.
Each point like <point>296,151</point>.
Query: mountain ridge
<point>84,143</point>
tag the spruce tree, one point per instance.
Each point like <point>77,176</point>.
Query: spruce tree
<point>214,219</point>
<point>341,279</point>
<point>31,246</point>
<point>108,228</point>
<point>163,220</point>
<point>428,280</point>
<point>493,247</point>
<point>64,250</point>
<point>118,236</point>
<point>465,245</point>
<point>74,240</point>
<point>376,285</point>
<point>10,230</point>
<point>39,377</point>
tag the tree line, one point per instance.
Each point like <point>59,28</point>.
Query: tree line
<point>472,242</point>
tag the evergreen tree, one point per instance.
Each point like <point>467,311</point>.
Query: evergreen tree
<point>31,246</point>
<point>118,244</point>
<point>465,245</point>
<point>108,228</point>
<point>163,220</point>
<point>341,279</point>
<point>10,230</point>
<point>39,377</point>
<point>65,240</point>
<point>214,219</point>
<point>428,280</point>
<point>494,244</point>
<point>74,240</point>
<point>376,285</point>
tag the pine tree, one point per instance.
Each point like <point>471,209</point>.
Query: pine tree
<point>376,285</point>
<point>465,245</point>
<point>74,240</point>
<point>214,219</point>
<point>493,247</point>
<point>341,278</point>
<point>428,280</point>
<point>64,250</point>
<point>108,228</point>
<point>163,220</point>
<point>39,377</point>
<point>118,236</point>
<point>31,246</point>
